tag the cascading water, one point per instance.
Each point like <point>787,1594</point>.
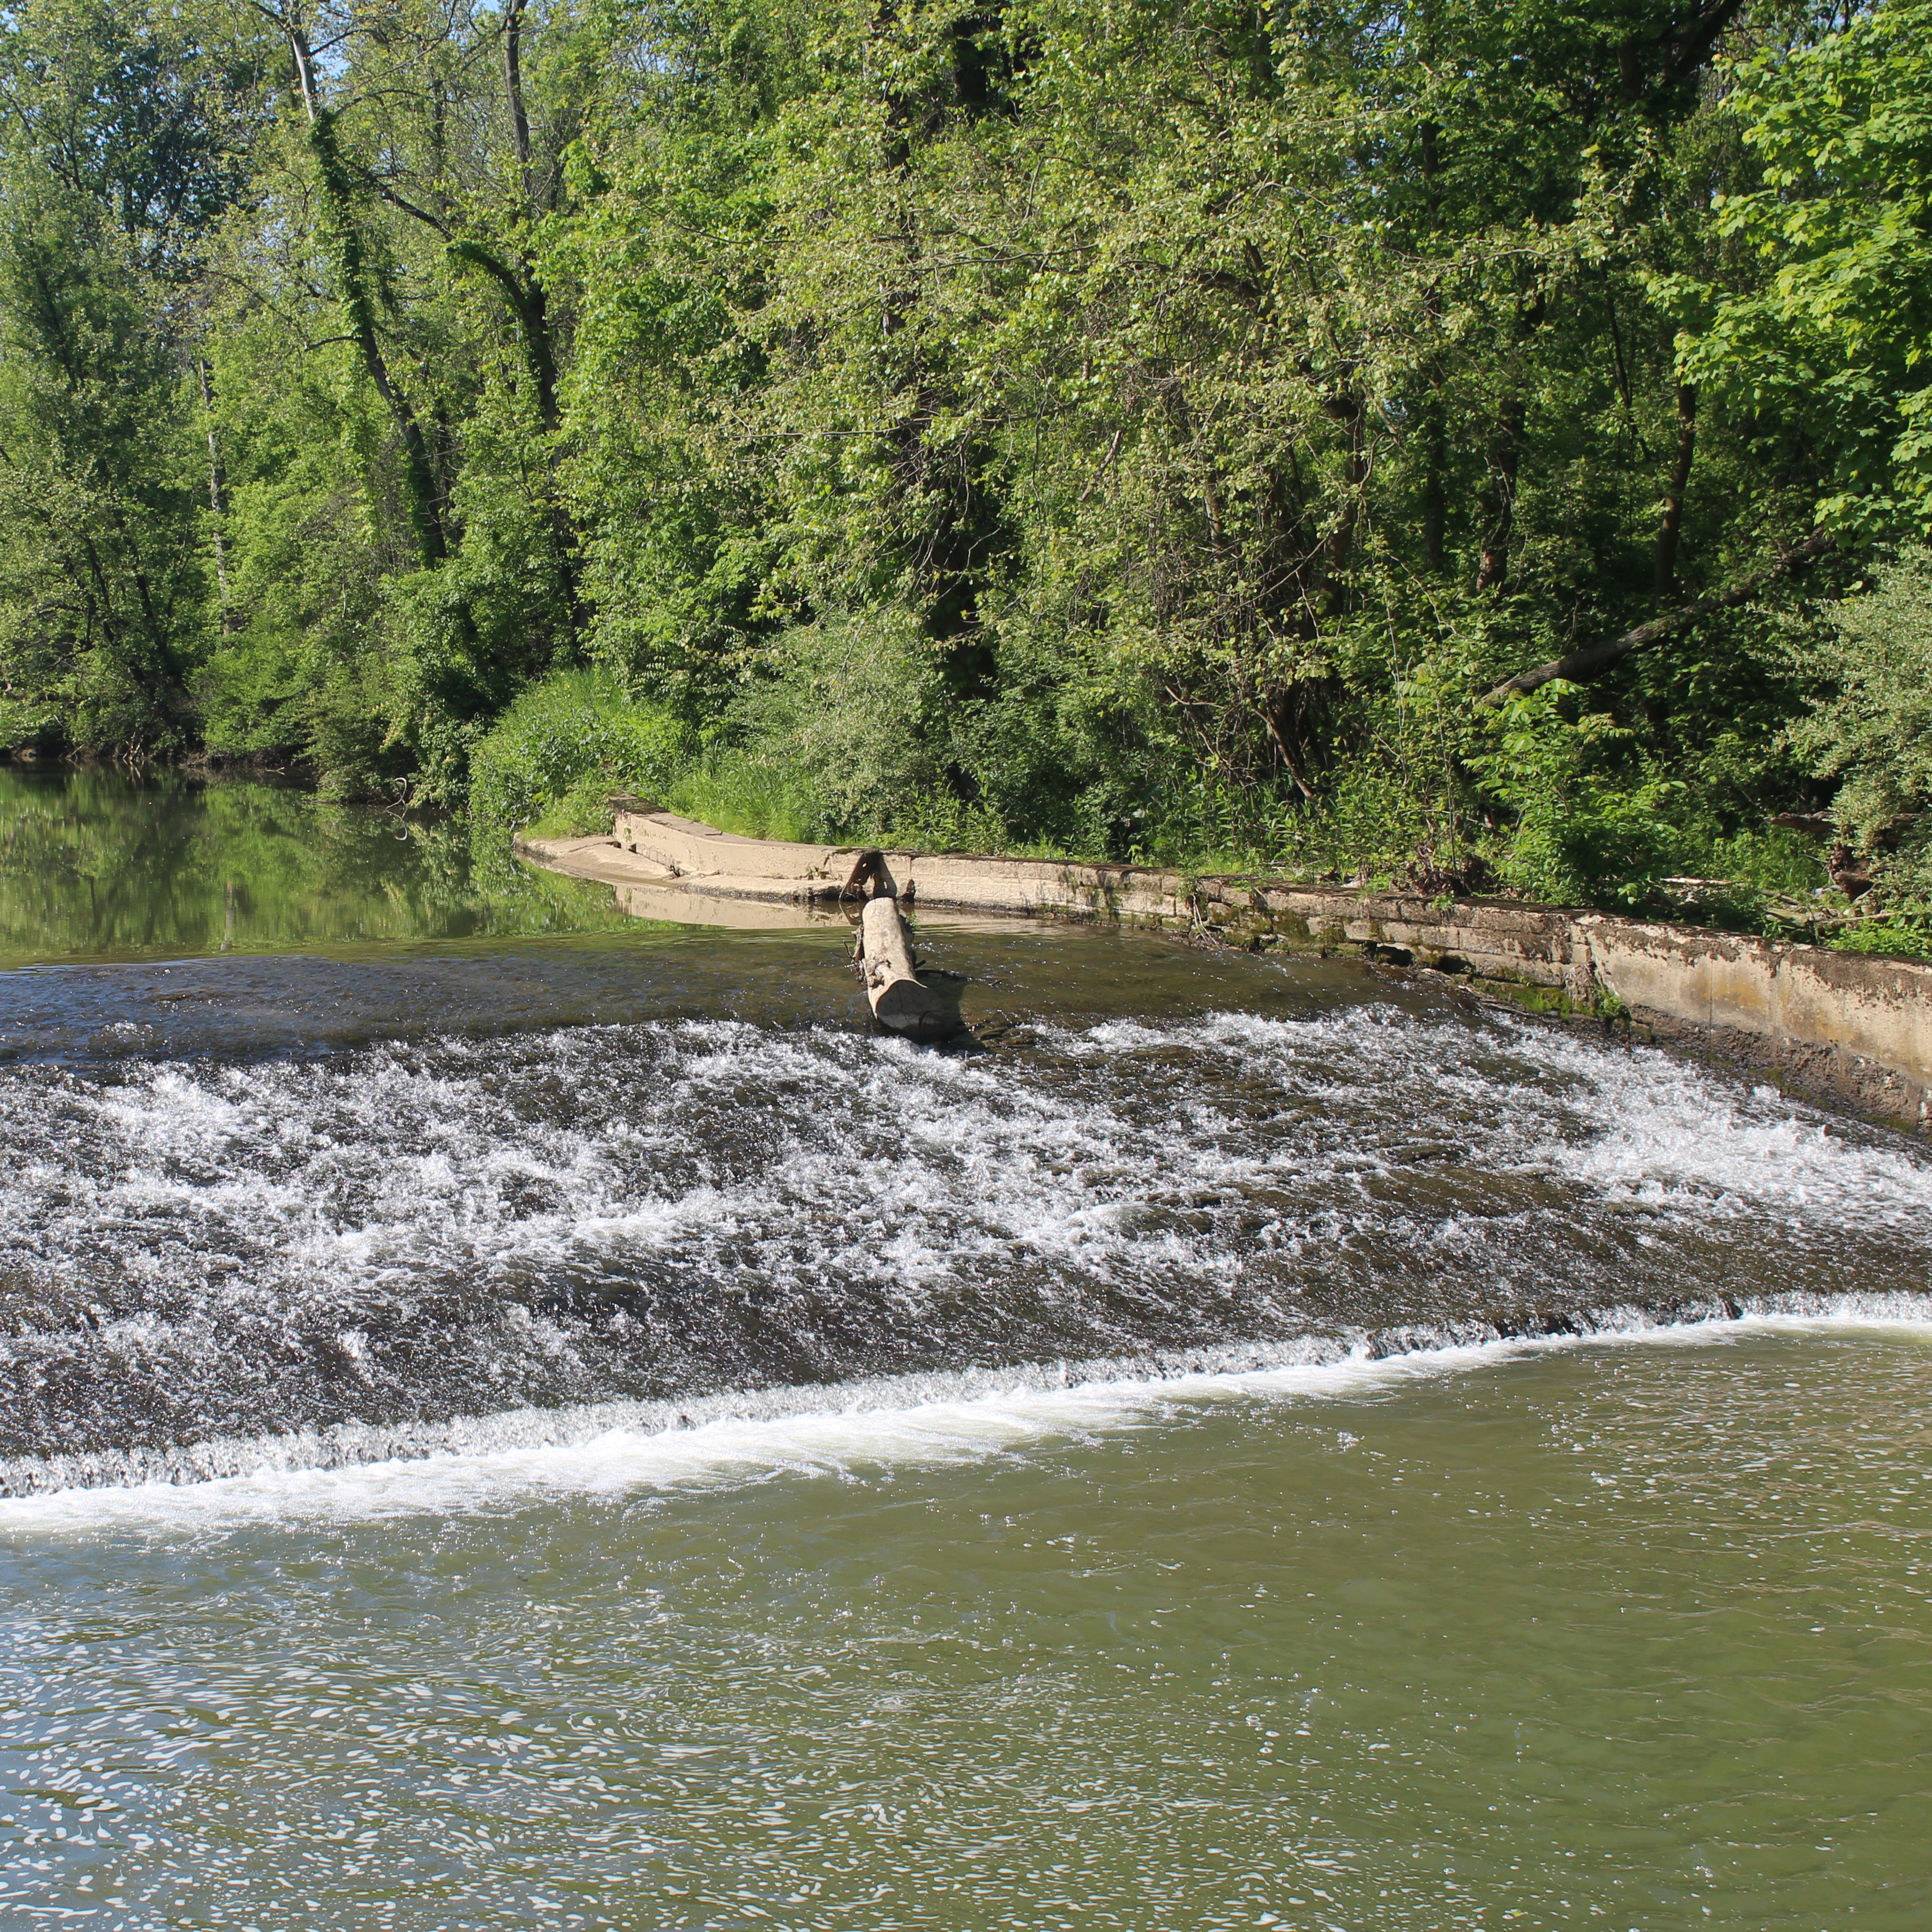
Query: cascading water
<point>202,1254</point>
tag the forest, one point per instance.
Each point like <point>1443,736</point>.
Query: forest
<point>1480,444</point>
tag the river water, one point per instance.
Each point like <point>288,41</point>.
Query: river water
<point>518,1414</point>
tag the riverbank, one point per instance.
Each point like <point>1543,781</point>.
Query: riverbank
<point>1852,1028</point>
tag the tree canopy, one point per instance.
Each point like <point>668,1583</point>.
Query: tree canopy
<point>1414,437</point>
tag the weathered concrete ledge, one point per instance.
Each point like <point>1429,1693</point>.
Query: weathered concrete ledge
<point>1855,1029</point>
<point>680,851</point>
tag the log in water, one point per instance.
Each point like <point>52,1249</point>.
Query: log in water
<point>900,1000</point>
<point>304,1209</point>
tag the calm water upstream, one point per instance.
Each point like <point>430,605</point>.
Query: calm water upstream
<point>514,1415</point>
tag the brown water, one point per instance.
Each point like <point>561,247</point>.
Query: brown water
<point>678,1460</point>
<point>1632,1635</point>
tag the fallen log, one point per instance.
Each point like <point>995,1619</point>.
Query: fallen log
<point>900,999</point>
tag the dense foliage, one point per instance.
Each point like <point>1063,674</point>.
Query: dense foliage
<point>1426,438</point>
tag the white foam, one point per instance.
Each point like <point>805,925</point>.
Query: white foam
<point>905,1422</point>
<point>430,1159</point>
<point>1630,1122</point>
<point>1130,1173</point>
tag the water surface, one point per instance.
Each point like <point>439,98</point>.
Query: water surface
<point>1637,1636</point>
<point>96,864</point>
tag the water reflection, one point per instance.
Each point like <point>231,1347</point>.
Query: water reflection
<point>101,865</point>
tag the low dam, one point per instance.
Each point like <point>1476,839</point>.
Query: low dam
<point>520,1405</point>
<point>1855,1030</point>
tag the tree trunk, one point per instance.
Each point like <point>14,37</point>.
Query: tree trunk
<point>513,89</point>
<point>359,308</point>
<point>899,999</point>
<point>1670,529</point>
<point>1435,491</point>
<point>217,499</point>
<point>1351,413</point>
<point>1434,428</point>
<point>524,293</point>
<point>1496,513</point>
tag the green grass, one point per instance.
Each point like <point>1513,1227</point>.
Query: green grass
<point>549,762</point>
<point>737,791</point>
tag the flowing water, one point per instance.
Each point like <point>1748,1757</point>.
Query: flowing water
<point>517,1415</point>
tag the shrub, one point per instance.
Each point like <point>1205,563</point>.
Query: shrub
<point>1586,831</point>
<point>1887,939</point>
<point>555,754</point>
<point>840,740</point>
<point>1874,730</point>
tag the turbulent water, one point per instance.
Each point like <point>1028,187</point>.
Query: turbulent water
<point>204,1250</point>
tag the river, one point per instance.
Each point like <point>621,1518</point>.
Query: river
<point>517,1414</point>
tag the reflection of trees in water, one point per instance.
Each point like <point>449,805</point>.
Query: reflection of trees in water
<point>95,862</point>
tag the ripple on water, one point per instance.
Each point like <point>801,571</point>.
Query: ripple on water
<point>1536,1636</point>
